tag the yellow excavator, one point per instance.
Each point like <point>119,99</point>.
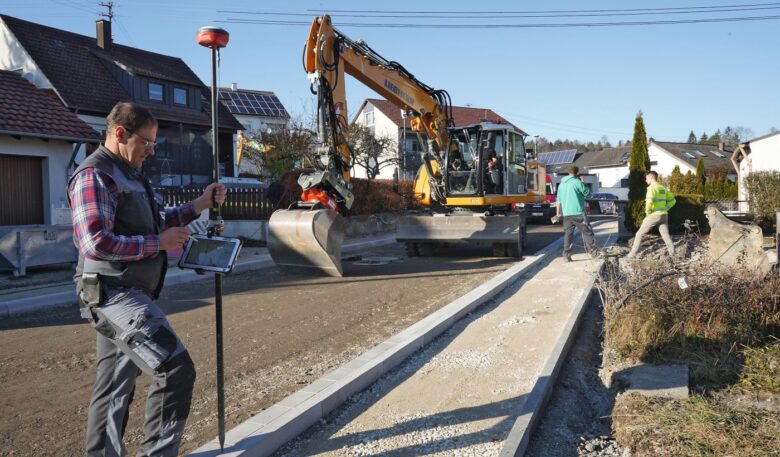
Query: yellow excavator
<point>473,180</point>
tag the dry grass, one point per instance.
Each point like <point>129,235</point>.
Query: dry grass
<point>707,325</point>
<point>695,427</point>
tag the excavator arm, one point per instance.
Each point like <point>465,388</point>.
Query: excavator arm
<point>328,56</point>
<point>307,237</point>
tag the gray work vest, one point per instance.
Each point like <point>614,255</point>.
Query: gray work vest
<point>138,212</point>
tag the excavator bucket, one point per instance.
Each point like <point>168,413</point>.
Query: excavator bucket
<point>307,241</point>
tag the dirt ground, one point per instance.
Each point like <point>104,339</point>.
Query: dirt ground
<point>280,332</point>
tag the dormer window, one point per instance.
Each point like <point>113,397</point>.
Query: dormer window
<point>156,92</point>
<point>180,96</point>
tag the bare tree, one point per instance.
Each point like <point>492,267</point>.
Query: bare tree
<point>371,152</point>
<point>280,150</point>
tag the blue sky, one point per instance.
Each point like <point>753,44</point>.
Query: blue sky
<point>578,83</point>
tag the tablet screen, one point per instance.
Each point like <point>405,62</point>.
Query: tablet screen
<point>213,254</point>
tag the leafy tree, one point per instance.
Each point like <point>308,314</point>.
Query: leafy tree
<point>638,166</point>
<point>371,152</point>
<point>692,138</point>
<point>701,178</point>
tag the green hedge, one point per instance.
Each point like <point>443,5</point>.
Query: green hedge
<point>691,207</point>
<point>763,189</point>
<point>687,207</point>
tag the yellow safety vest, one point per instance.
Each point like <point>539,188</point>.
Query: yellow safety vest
<point>659,200</point>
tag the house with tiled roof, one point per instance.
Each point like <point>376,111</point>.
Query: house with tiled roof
<point>759,154</point>
<point>610,167</point>
<point>258,111</point>
<point>385,119</point>
<point>665,155</point>
<point>90,74</point>
<point>38,137</point>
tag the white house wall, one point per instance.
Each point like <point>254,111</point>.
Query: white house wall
<point>384,127</point>
<point>765,154</point>
<point>610,178</point>
<point>665,161</point>
<point>54,179</point>
<point>13,57</point>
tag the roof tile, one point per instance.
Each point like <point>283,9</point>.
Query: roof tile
<point>27,109</point>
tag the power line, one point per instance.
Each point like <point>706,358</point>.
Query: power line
<point>508,26</point>
<point>508,14</point>
<point>680,8</point>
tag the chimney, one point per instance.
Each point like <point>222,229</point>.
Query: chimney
<point>233,86</point>
<point>721,146</point>
<point>103,34</point>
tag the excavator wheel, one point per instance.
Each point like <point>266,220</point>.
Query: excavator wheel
<point>425,249</point>
<point>411,249</point>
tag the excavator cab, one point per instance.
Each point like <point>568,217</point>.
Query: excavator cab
<point>487,161</point>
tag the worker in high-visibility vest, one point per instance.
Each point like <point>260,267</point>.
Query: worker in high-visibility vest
<point>658,201</point>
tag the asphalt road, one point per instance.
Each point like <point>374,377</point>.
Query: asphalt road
<point>281,332</point>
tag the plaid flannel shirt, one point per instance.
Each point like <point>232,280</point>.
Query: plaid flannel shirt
<point>93,198</point>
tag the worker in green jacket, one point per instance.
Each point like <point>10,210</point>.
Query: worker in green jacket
<point>658,201</point>
<point>570,204</point>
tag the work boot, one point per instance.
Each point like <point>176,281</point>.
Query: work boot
<point>567,258</point>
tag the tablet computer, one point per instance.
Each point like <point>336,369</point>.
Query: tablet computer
<point>216,253</point>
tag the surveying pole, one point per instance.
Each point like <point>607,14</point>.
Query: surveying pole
<point>215,38</point>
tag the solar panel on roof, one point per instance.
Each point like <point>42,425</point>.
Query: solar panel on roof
<point>688,155</point>
<point>557,157</point>
<point>253,103</point>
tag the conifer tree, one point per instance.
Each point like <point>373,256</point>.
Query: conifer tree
<point>701,179</point>
<point>638,166</point>
<point>692,138</point>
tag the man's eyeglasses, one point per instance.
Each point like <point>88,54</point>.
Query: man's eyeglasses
<point>146,142</point>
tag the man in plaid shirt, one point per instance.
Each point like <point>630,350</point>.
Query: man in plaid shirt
<point>122,232</point>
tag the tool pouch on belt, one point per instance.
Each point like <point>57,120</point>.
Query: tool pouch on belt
<point>91,293</point>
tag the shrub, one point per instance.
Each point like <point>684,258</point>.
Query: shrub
<point>688,207</point>
<point>763,189</point>
<point>377,196</point>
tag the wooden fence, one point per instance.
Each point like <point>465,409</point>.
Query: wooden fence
<point>241,203</point>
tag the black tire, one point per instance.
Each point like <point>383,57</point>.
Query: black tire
<point>425,249</point>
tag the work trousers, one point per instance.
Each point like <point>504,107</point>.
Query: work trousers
<point>134,337</point>
<point>581,222</point>
<point>650,221</point>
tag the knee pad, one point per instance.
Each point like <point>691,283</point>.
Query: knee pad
<point>180,369</point>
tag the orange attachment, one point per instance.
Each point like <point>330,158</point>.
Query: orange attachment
<point>212,37</point>
<point>316,194</point>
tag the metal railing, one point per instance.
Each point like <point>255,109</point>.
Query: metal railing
<point>241,203</point>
